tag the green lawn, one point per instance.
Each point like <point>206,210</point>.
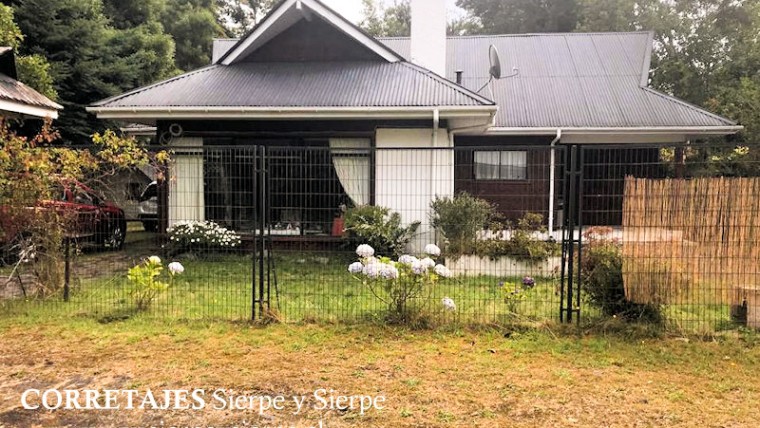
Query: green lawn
<point>312,286</point>
<point>452,377</point>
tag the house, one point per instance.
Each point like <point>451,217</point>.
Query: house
<point>347,118</point>
<point>18,100</point>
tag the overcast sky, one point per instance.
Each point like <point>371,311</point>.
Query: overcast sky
<point>352,9</point>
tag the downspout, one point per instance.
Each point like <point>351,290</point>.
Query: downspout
<point>552,167</point>
<point>436,125</point>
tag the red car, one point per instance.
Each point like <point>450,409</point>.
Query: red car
<point>91,219</point>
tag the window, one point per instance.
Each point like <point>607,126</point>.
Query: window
<point>501,165</point>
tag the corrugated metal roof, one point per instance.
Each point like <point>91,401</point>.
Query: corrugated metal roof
<point>13,90</point>
<point>320,84</point>
<point>568,80</point>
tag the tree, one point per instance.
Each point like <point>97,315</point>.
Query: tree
<point>89,58</point>
<point>133,13</point>
<point>36,169</point>
<point>396,20</point>
<point>393,21</point>
<point>522,16</point>
<point>239,16</point>
<point>33,70</point>
<point>193,25</point>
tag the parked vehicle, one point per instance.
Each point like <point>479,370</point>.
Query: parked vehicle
<point>147,210</point>
<point>87,216</point>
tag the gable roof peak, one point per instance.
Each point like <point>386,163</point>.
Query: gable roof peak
<point>287,13</point>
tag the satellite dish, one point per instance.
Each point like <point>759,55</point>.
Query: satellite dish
<point>493,57</point>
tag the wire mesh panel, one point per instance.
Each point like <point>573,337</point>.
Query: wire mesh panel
<point>270,228</point>
<point>504,263</point>
<point>683,221</point>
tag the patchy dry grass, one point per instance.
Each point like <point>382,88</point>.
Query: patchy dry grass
<point>429,378</point>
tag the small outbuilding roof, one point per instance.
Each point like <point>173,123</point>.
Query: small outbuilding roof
<point>18,98</point>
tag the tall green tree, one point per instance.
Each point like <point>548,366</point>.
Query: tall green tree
<point>522,16</point>
<point>33,70</point>
<point>239,16</point>
<point>396,20</point>
<point>193,25</point>
<point>393,21</point>
<point>90,59</point>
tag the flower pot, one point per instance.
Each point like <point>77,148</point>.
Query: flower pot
<point>337,226</point>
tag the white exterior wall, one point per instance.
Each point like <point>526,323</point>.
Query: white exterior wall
<point>406,181</point>
<point>186,200</point>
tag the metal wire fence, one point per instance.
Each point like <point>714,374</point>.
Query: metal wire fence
<point>527,233</point>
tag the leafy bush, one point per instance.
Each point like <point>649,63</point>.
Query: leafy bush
<point>145,281</point>
<point>522,244</point>
<point>380,228</point>
<point>459,219</point>
<point>514,293</point>
<point>397,282</point>
<point>602,278</point>
<point>200,236</point>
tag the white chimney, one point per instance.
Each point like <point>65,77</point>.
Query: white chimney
<point>429,35</point>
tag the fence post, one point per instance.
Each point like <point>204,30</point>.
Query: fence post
<point>571,243</point>
<point>66,268</point>
<point>254,234</point>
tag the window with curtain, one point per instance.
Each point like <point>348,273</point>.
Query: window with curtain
<point>501,165</point>
<point>351,160</point>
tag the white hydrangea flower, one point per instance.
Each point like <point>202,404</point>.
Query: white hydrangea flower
<point>419,268</point>
<point>371,260</point>
<point>372,271</point>
<point>406,259</point>
<point>176,268</point>
<point>448,304</point>
<point>365,250</point>
<point>428,262</point>
<point>356,268</point>
<point>154,260</point>
<point>388,271</point>
<point>433,250</point>
<point>442,271</point>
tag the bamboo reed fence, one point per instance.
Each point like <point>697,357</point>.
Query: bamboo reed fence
<point>691,241</point>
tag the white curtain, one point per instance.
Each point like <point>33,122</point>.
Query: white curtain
<point>351,161</point>
<point>186,194</point>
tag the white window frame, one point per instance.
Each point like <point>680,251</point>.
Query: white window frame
<point>503,167</point>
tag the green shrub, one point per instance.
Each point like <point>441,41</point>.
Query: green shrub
<point>459,219</point>
<point>380,228</point>
<point>522,244</point>
<point>602,278</point>
<point>145,281</point>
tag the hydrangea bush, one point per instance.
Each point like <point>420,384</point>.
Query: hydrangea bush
<point>397,282</point>
<point>199,236</point>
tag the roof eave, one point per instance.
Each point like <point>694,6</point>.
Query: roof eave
<point>141,114</point>
<point>591,135</point>
<point>691,130</point>
<point>29,110</point>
